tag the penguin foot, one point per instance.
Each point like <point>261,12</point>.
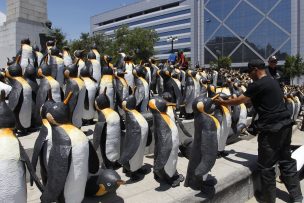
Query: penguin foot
<point>143,171</point>
<point>221,154</point>
<point>177,179</point>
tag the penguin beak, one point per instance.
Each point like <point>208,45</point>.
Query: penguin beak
<point>120,182</point>
<point>102,190</point>
<point>171,104</point>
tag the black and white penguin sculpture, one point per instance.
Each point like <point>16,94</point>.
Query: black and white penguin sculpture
<point>20,97</point>
<point>39,55</point>
<point>95,66</point>
<point>55,53</point>
<point>135,139</point>
<point>67,58</point>
<point>204,147</point>
<point>105,182</point>
<point>4,84</point>
<point>107,132</point>
<point>71,158</point>
<point>122,88</point>
<point>191,92</point>
<point>13,159</point>
<point>86,74</point>
<point>80,57</point>
<point>96,52</point>
<point>27,54</point>
<point>142,88</point>
<point>129,66</point>
<point>43,143</point>
<point>77,86</point>
<point>166,143</point>
<point>47,83</point>
<point>107,80</point>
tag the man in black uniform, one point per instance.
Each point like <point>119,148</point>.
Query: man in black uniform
<point>275,129</point>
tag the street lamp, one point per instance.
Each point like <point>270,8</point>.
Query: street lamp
<point>172,40</point>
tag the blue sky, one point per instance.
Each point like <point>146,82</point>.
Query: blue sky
<point>73,16</point>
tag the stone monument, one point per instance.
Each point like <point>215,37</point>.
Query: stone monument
<point>24,19</point>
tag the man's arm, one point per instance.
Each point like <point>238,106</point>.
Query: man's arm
<point>232,102</point>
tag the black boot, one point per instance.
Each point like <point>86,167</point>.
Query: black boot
<point>268,185</point>
<point>289,177</point>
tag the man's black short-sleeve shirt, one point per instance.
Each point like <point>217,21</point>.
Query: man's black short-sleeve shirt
<point>268,100</point>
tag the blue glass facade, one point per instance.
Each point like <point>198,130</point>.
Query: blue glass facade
<point>247,29</point>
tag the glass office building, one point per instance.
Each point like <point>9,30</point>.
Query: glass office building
<point>207,29</point>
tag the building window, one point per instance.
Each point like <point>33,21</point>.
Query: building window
<point>182,40</point>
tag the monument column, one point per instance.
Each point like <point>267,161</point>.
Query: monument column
<point>24,19</point>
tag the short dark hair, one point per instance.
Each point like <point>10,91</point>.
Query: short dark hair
<point>256,63</point>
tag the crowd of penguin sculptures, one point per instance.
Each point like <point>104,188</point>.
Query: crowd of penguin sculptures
<point>57,93</point>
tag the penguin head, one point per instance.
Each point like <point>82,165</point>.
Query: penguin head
<point>59,112</point>
<point>55,51</point>
<point>50,43</point>
<point>211,90</point>
<point>107,182</point>
<point>139,71</point>
<point>191,73</point>
<point>107,59</point>
<point>26,41</point>
<point>91,55</point>
<point>15,69</point>
<point>72,70</point>
<point>128,58</point>
<point>30,71</point>
<point>158,104</point>
<point>120,73</point>
<point>204,81</point>
<point>167,96</point>
<point>10,61</point>
<point>102,101</point>
<point>79,54</point>
<point>44,70</point>
<point>66,48</point>
<point>36,48</point>
<point>47,105</point>
<point>7,118</point>
<point>87,71</point>
<point>203,104</point>
<point>129,103</point>
<point>165,72</point>
<point>94,46</point>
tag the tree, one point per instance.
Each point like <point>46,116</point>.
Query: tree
<point>221,62</point>
<point>294,66</point>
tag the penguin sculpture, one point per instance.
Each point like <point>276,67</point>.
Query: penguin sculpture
<point>27,54</point>
<point>39,55</point>
<point>142,88</point>
<point>135,140</point>
<point>107,80</point>
<point>77,86</point>
<point>191,92</point>
<point>290,105</point>
<point>166,143</point>
<point>71,158</point>
<point>86,74</point>
<point>13,160</point>
<point>43,143</point>
<point>4,83</point>
<point>122,88</point>
<point>154,70</point>
<point>204,147</point>
<point>55,53</point>
<point>95,51</point>
<point>47,83</point>
<point>120,64</point>
<point>129,66</point>
<point>79,56</point>
<point>95,65</point>
<point>20,97</point>
<point>107,132</point>
<point>67,59</point>
<point>107,181</point>
<point>297,105</point>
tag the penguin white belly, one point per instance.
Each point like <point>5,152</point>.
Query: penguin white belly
<point>39,57</point>
<point>170,167</point>
<point>170,113</point>
<point>77,177</point>
<point>12,171</point>
<point>136,161</point>
<point>48,142</point>
<point>5,87</point>
<point>96,70</point>
<point>78,111</point>
<point>188,106</point>
<point>91,88</point>
<point>81,65</point>
<point>107,81</point>
<point>129,76</point>
<point>197,88</point>
<point>113,135</point>
<point>67,60</point>
<point>225,128</point>
<point>25,113</point>
<point>298,156</point>
<point>26,57</point>
<point>55,88</point>
<point>243,114</point>
<point>96,54</point>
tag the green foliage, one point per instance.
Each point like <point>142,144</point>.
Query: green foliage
<point>221,62</point>
<point>60,37</point>
<point>294,66</point>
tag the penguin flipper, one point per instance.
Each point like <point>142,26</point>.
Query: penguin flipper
<point>42,93</point>
<point>40,141</point>
<point>99,126</point>
<point>14,97</point>
<point>86,100</point>
<point>149,139</point>
<point>208,152</point>
<point>189,94</point>
<point>139,94</point>
<point>30,168</point>
<point>177,92</point>
<point>132,139</point>
<point>93,159</point>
